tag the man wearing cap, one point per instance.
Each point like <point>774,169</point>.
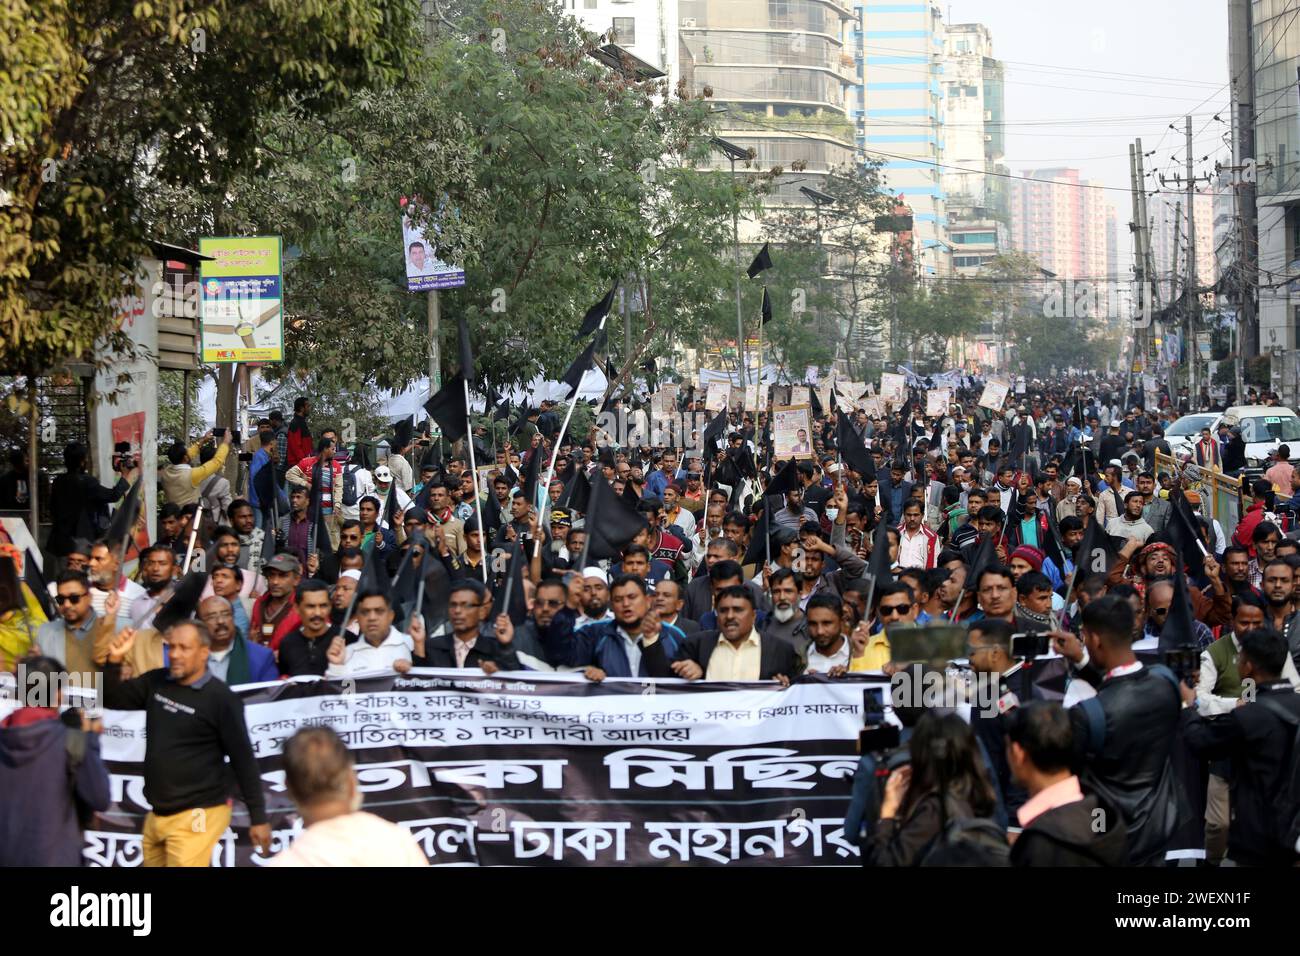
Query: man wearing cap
<point>595,598</point>
<point>1067,506</point>
<point>385,485</point>
<point>274,614</point>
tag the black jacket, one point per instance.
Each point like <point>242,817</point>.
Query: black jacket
<point>1130,766</point>
<point>775,655</point>
<point>439,652</point>
<point>1258,742</point>
<point>1083,833</point>
<point>686,625</point>
<point>79,507</point>
<point>699,598</point>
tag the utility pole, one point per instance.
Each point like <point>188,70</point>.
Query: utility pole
<point>1151,287</point>
<point>1190,289</point>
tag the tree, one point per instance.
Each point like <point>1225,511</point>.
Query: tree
<point>831,270</point>
<point>104,101</point>
<point>931,317</point>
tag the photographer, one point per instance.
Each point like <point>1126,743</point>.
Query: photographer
<point>77,500</point>
<point>938,810</point>
<point>988,652</point>
<point>1060,821</point>
<point>180,479</point>
<point>1125,735</point>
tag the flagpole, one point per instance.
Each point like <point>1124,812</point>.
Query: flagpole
<point>473,470</point>
<point>564,427</point>
<point>194,534</point>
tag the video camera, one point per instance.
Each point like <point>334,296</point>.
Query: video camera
<point>123,460</point>
<point>1183,661</point>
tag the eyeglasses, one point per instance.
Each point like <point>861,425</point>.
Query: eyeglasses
<point>894,610</point>
<point>69,598</point>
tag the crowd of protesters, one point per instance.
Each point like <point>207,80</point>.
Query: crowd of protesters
<point>1160,701</point>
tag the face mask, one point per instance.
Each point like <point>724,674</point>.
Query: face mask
<point>832,514</point>
<point>783,614</point>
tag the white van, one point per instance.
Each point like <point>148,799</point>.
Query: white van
<point>1263,428</point>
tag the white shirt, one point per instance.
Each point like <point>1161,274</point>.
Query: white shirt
<point>684,520</point>
<point>913,550</point>
<point>354,839</point>
<point>822,663</point>
<point>1209,703</point>
<point>633,647</point>
<point>360,657</point>
<point>1137,531</point>
<point>127,594</point>
<point>219,661</point>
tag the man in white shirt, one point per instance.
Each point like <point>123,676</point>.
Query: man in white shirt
<point>381,645</point>
<point>105,576</point>
<point>319,776</point>
<point>830,648</point>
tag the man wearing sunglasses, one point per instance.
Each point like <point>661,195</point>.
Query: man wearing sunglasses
<point>1160,596</point>
<point>70,637</point>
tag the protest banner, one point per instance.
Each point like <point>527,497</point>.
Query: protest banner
<point>548,770</point>
<point>995,393</point>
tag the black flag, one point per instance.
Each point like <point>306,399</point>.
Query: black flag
<point>374,573</point>
<point>1177,632</point>
<point>611,521</point>
<point>591,321</point>
<point>577,493</point>
<point>879,565</point>
<point>853,452</point>
<point>787,479</point>
<point>447,408</point>
<point>760,536</point>
<point>122,527</point>
<point>767,307</point>
<point>1182,532</point>
<point>582,364</point>
<point>183,602</point>
<point>761,261</point>
<point>509,595</point>
<point>327,568</point>
<point>528,481</point>
<point>715,430</point>
<point>466,351</point>
<point>33,578</point>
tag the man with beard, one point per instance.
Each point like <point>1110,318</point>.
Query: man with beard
<point>158,575</point>
<point>304,650</point>
<point>1236,571</point>
<point>595,599</point>
<point>787,621</point>
<point>1159,598</point>
<point>1156,562</point>
<point>106,578</point>
<point>633,642</point>
<point>794,514</point>
<point>341,595</point>
<point>273,613</point>
<point>232,658</point>
<point>829,647</point>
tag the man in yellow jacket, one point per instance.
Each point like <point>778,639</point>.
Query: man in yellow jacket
<point>896,604</point>
<point>181,480</point>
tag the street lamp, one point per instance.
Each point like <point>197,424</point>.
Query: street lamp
<point>818,199</point>
<point>733,153</point>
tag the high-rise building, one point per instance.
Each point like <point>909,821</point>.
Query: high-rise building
<point>897,106</point>
<point>780,70</point>
<point>974,182</point>
<point>645,28</point>
<point>1168,217</point>
<point>1060,219</point>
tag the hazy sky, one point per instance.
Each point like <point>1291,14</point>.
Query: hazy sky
<point>1065,103</point>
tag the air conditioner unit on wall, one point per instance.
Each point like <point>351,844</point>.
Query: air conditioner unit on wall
<point>688,22</point>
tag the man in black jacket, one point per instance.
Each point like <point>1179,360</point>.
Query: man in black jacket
<point>1063,826</point>
<point>737,651</point>
<point>1125,735</point>
<point>193,723</point>
<point>467,645</point>
<point>79,503</point>
<point>1257,737</point>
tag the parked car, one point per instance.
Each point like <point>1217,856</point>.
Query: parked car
<point>1263,428</point>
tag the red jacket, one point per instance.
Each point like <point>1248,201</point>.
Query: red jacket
<point>931,544</point>
<point>1246,528</point>
<point>289,620</point>
<point>299,442</point>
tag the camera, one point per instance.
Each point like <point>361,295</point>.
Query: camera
<point>1029,646</point>
<point>876,736</point>
<point>123,460</point>
<point>1183,661</point>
